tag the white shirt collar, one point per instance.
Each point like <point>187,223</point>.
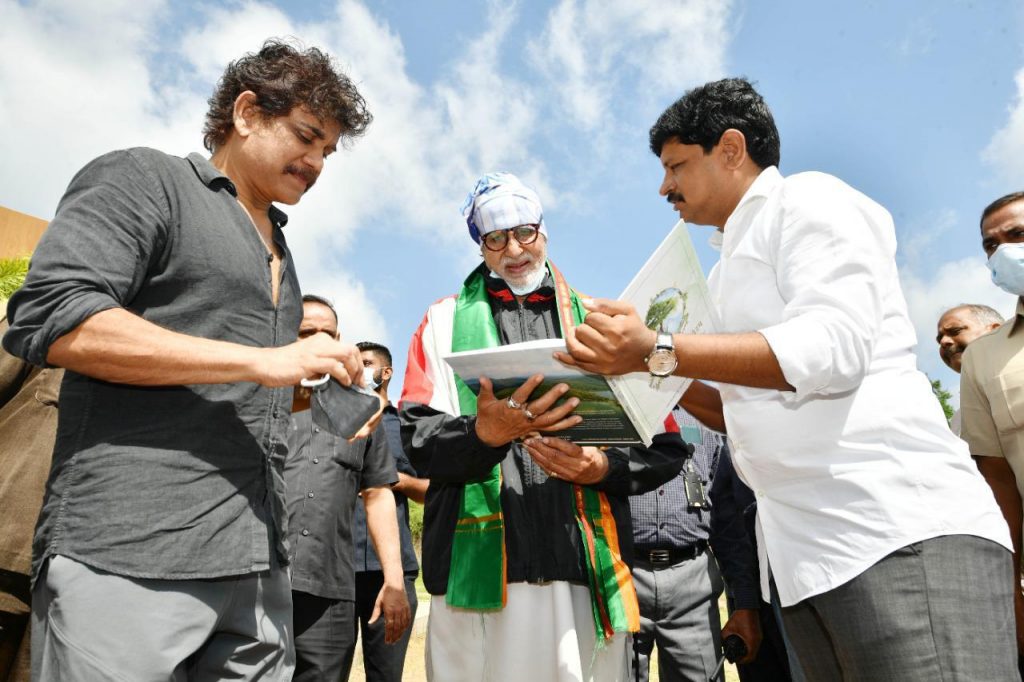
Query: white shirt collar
<point>763,186</point>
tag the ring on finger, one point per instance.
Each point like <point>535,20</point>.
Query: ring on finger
<point>553,474</point>
<point>530,416</point>
<point>514,404</point>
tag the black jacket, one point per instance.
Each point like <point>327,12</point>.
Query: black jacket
<point>542,539</point>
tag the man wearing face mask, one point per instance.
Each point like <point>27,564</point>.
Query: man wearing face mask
<point>527,541</point>
<point>324,476</point>
<point>991,379</point>
<point>957,328</point>
<point>382,661</point>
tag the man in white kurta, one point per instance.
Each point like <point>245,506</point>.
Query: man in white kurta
<point>888,551</point>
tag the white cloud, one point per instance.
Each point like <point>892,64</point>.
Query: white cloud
<point>929,294</point>
<point>86,85</point>
<point>919,38</point>
<point>80,86</point>
<point>920,240</point>
<point>1006,149</point>
<point>664,47</point>
<point>91,77</point>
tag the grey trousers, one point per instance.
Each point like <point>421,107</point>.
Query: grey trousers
<point>679,613</point>
<point>92,626</point>
<point>940,610</point>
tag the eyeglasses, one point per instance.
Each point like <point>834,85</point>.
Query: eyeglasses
<point>498,240</point>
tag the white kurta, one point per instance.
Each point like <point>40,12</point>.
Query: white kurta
<point>544,634</point>
<point>858,461</point>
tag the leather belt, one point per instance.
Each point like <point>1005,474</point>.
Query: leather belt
<point>662,557</point>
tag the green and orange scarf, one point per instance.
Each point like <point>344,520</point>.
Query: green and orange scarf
<point>477,579</point>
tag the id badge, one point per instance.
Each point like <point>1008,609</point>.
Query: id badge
<point>694,486</point>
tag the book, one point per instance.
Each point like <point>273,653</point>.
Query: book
<point>670,294</point>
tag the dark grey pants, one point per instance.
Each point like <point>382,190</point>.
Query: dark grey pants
<point>383,662</point>
<point>325,638</point>
<point>935,611</point>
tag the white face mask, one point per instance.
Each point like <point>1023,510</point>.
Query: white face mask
<point>716,240</point>
<point>368,379</point>
<point>1007,266</point>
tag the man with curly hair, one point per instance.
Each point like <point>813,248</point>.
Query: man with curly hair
<point>165,288</point>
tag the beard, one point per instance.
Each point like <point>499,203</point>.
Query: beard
<point>530,280</point>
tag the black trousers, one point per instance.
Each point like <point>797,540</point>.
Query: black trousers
<point>325,638</point>
<point>383,662</point>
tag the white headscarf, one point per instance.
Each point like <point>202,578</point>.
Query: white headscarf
<point>500,201</point>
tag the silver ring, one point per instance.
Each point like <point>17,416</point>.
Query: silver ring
<point>514,404</point>
<point>553,474</point>
<point>530,416</point>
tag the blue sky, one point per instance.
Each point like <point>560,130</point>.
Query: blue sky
<point>916,103</point>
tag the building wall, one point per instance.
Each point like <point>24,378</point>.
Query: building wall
<point>19,233</point>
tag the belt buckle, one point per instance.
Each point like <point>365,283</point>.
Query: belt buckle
<point>660,557</point>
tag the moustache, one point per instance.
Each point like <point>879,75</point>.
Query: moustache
<point>674,198</point>
<point>525,259</point>
<point>308,176</point>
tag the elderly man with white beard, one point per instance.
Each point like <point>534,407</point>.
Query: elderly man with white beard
<point>527,540</point>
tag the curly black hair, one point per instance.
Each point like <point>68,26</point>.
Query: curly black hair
<point>283,77</point>
<point>702,114</point>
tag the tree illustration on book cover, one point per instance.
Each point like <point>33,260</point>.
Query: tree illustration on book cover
<point>667,312</point>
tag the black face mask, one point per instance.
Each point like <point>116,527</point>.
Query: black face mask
<point>342,411</point>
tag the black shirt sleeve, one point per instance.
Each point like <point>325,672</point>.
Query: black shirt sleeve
<point>444,448</point>
<point>637,470</point>
<point>93,256</point>
<point>378,465</point>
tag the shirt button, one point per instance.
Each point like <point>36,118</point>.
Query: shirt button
<point>316,429</point>
<point>661,526</point>
<point>760,493</point>
<point>661,492</point>
<point>316,460</point>
<point>305,531</point>
<point>311,493</point>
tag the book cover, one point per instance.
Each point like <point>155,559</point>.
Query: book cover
<point>670,293</point>
<point>508,367</point>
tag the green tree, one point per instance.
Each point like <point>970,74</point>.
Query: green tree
<point>416,520</point>
<point>12,275</point>
<point>943,397</point>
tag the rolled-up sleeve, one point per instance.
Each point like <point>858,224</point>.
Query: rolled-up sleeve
<point>830,262</point>
<point>93,256</point>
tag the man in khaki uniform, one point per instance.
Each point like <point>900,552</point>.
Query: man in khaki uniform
<point>28,426</point>
<point>992,383</point>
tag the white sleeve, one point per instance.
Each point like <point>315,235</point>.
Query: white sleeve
<point>831,262</point>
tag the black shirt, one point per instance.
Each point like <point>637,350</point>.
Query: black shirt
<point>166,482</point>
<point>365,557</point>
<point>324,474</point>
